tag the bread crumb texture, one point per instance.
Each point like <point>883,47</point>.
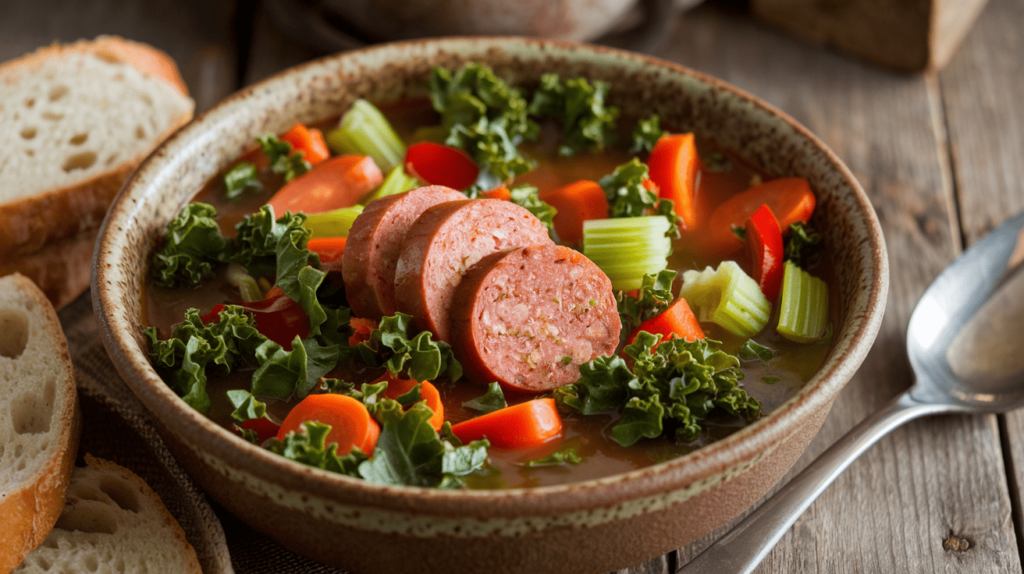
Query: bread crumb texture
<point>112,523</point>
<point>32,379</point>
<point>76,116</point>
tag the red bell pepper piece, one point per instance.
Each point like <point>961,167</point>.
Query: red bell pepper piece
<point>437,164</point>
<point>764,243</point>
<point>279,319</point>
<point>264,428</point>
<point>674,164</point>
<point>677,320</point>
<point>361,330</point>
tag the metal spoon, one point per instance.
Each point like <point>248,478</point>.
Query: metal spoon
<point>964,346</point>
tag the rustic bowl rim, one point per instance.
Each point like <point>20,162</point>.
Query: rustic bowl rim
<point>742,446</point>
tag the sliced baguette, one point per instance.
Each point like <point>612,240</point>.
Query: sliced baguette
<point>75,120</point>
<point>39,418</point>
<point>112,522</point>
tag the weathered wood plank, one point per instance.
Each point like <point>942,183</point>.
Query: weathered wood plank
<point>197,34</point>
<point>981,90</point>
<point>892,509</point>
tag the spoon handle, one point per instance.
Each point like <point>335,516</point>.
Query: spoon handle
<point>743,547</point>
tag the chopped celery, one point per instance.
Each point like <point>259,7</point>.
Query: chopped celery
<point>363,129</point>
<point>728,297</point>
<point>333,223</point>
<point>804,312</point>
<point>247,286</point>
<point>627,248</point>
<point>396,182</point>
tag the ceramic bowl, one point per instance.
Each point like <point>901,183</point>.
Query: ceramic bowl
<point>591,526</point>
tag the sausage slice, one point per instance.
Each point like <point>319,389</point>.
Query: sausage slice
<point>447,240</point>
<point>528,318</point>
<point>374,242</point>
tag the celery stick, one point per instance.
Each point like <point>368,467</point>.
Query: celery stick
<point>728,297</point>
<point>364,130</point>
<point>247,286</point>
<point>396,182</point>
<point>804,312</point>
<point>627,248</point>
<point>333,223</point>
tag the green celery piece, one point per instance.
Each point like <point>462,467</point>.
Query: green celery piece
<point>333,223</point>
<point>728,297</point>
<point>804,312</point>
<point>626,249</point>
<point>364,130</point>
<point>397,181</point>
<point>247,286</point>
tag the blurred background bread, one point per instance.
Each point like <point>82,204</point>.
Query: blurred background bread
<point>75,121</point>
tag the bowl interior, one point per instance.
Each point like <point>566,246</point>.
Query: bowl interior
<point>685,100</point>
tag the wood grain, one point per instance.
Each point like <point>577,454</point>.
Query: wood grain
<point>892,509</point>
<point>197,34</point>
<point>981,90</point>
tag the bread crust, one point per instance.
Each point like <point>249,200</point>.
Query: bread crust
<point>30,223</point>
<point>62,269</point>
<point>28,514</point>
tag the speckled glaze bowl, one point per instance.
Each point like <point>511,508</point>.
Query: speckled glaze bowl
<point>591,526</point>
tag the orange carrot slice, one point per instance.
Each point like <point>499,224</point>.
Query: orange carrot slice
<point>576,203</point>
<point>335,183</point>
<point>789,198</point>
<point>351,424</point>
<point>519,426</point>
<point>428,392</point>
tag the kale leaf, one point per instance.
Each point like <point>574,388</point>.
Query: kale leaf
<point>588,123</point>
<point>646,134</point>
<point>751,350</point>
<point>484,116</point>
<point>309,447</point>
<point>420,357</point>
<point>525,196</point>
<point>628,196</point>
<point>488,402</point>
<point>240,179</point>
<point>282,160</point>
<point>678,384</point>
<point>193,245</point>
<point>654,297</point>
<point>801,237</point>
<point>558,458</point>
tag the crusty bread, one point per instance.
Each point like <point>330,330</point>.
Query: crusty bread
<point>61,269</point>
<point>75,121</point>
<point>112,522</point>
<point>39,418</point>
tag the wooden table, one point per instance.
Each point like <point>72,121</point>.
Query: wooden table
<point>942,157</point>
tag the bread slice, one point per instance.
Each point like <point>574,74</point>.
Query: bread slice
<point>39,418</point>
<point>61,269</point>
<point>112,522</point>
<point>75,121</point>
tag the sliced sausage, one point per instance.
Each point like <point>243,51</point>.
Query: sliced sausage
<point>446,241</point>
<point>528,318</point>
<point>374,242</point>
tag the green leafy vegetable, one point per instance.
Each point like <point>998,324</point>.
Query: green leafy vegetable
<point>489,402</point>
<point>246,406</point>
<point>282,160</point>
<point>558,458</point>
<point>739,231</point>
<point>646,134</point>
<point>182,360</point>
<point>423,358</point>
<point>526,196</point>
<point>677,385</point>
<point>655,296</point>
<point>193,245</point>
<point>259,238</point>
<point>587,121</point>
<point>240,179</point>
<point>482,115</point>
<point>753,350</point>
<point>298,371</point>
<point>801,237</point>
<point>310,448</point>
<point>628,197</point>
<point>410,452</point>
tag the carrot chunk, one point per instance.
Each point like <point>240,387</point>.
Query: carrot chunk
<point>351,424</point>
<point>330,249</point>
<point>333,184</point>
<point>576,203</point>
<point>524,425</point>
<point>428,393</point>
<point>790,199</point>
<point>310,141</point>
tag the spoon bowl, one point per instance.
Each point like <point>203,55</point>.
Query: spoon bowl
<point>964,345</point>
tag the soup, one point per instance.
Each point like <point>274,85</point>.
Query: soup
<point>329,344</point>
